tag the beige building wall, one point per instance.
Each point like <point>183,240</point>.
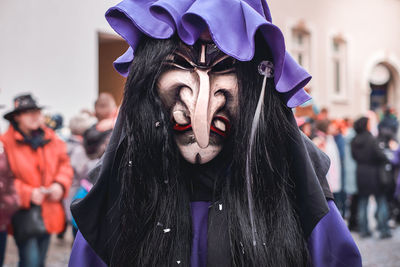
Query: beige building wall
<point>371,30</point>
<point>51,48</point>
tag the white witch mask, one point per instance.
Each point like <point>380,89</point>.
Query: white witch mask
<point>200,89</point>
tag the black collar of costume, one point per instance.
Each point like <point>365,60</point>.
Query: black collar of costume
<point>203,180</point>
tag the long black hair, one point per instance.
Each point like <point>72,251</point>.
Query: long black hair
<point>155,223</point>
<point>155,220</point>
<point>279,238</point>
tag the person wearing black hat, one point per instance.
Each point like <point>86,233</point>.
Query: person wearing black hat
<point>26,115</point>
<point>43,175</point>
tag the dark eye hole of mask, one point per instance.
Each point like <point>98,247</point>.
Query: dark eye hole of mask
<point>224,66</point>
<point>180,62</point>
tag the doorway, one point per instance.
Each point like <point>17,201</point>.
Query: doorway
<point>384,87</point>
<point>379,96</point>
<point>110,48</point>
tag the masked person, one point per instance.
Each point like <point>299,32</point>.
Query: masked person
<point>206,166</point>
<point>39,162</point>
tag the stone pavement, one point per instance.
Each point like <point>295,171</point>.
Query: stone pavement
<point>57,255</point>
<point>378,252</point>
<point>375,252</point>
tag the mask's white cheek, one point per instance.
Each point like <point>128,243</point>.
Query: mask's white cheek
<point>171,81</point>
<point>229,84</point>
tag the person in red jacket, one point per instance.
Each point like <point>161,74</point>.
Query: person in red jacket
<point>9,201</point>
<point>39,162</point>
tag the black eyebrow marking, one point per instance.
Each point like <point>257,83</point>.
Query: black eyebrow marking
<point>180,61</point>
<point>224,65</point>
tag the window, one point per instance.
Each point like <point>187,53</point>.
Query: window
<point>339,66</point>
<point>301,45</point>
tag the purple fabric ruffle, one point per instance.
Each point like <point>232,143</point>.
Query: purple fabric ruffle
<point>232,25</point>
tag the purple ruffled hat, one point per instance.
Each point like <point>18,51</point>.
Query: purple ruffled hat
<point>232,25</point>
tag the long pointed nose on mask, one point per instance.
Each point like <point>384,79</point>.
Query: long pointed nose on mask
<point>200,89</point>
<point>201,118</point>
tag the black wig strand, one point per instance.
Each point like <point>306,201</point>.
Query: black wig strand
<point>279,237</point>
<point>155,221</point>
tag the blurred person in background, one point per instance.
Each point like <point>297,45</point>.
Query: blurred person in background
<point>95,143</point>
<point>306,126</point>
<point>321,125</point>
<point>388,126</point>
<point>350,182</point>
<point>9,201</point>
<point>77,154</point>
<point>370,161</point>
<point>39,162</point>
<point>78,125</point>
<point>325,140</point>
<point>323,115</point>
<point>321,129</point>
<point>336,129</point>
<point>373,121</point>
<point>387,135</point>
<point>56,123</point>
<point>396,195</point>
<point>106,111</point>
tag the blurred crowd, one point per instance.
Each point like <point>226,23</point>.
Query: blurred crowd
<point>44,166</point>
<point>365,163</point>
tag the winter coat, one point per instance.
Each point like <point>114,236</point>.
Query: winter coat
<point>34,168</point>
<point>341,145</point>
<point>350,185</point>
<point>396,163</point>
<point>370,158</point>
<point>79,161</point>
<point>9,201</point>
<point>335,170</point>
<point>388,127</point>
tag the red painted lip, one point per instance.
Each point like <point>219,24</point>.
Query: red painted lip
<point>187,127</point>
<point>182,128</point>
